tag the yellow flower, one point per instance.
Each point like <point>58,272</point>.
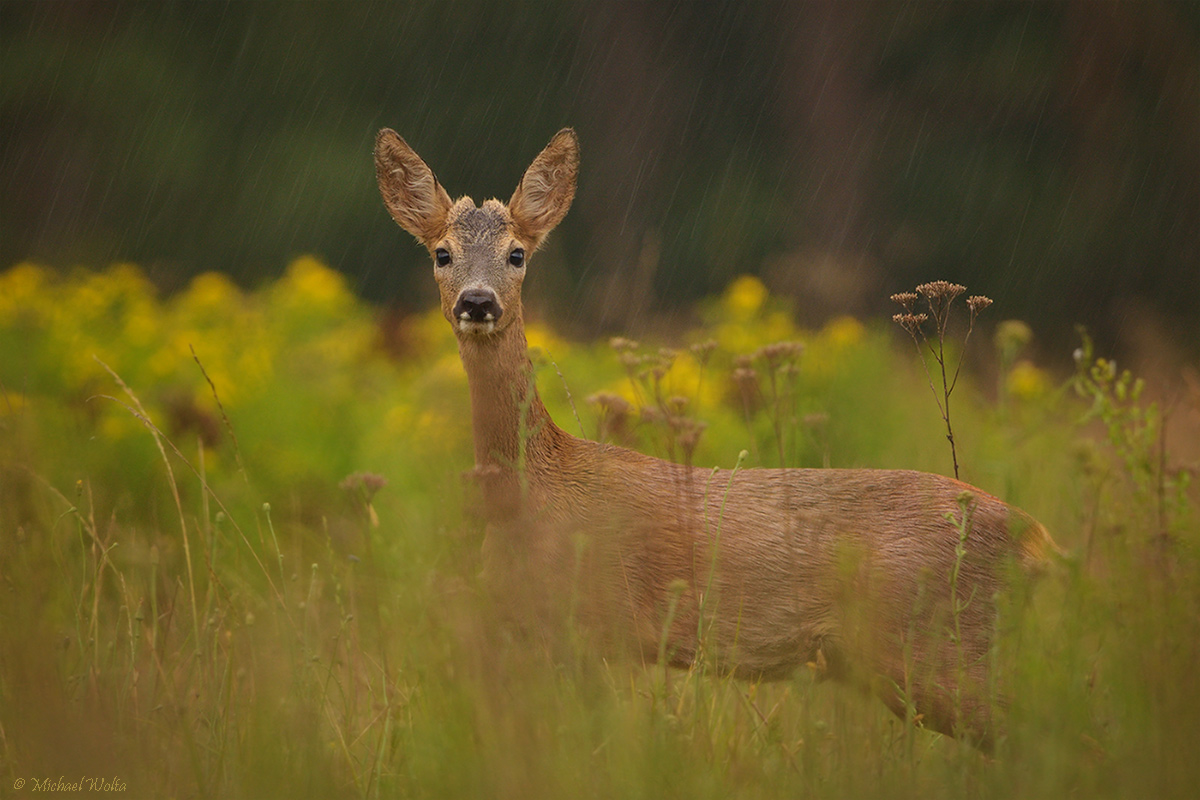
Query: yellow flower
<point>309,283</point>
<point>744,297</point>
<point>255,364</point>
<point>628,391</point>
<point>106,298</point>
<point>128,280</point>
<point>210,291</point>
<point>20,288</point>
<point>686,378</point>
<point>843,332</point>
<point>734,338</point>
<point>142,324</point>
<point>777,327</point>
<point>540,336</point>
<point>1025,381</point>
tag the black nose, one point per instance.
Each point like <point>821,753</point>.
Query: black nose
<point>477,305</point>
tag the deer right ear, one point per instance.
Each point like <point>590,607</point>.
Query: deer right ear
<point>547,188</point>
<point>410,191</point>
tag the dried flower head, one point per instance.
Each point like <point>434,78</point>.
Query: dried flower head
<point>614,415</point>
<point>677,404</point>
<point>367,480</point>
<point>610,403</point>
<point>910,322</point>
<point>690,437</point>
<point>745,379</point>
<point>937,290</point>
<point>619,343</point>
<point>744,375</point>
<point>779,352</point>
<point>651,415</point>
<point>630,360</point>
<point>939,300</point>
<point>365,484</point>
<point>978,302</point>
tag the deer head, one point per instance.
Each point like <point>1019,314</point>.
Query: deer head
<point>479,252</point>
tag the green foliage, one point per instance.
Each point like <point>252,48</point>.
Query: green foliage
<point>1135,432</point>
<point>283,599</point>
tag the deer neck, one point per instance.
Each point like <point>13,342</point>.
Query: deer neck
<point>507,415</point>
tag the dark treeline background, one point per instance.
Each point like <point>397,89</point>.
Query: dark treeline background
<point>1044,154</point>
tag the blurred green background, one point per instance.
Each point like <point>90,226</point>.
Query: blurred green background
<point>1044,154</point>
<point>249,612</point>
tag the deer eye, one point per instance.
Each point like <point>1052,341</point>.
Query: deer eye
<point>517,257</point>
<point>442,256</point>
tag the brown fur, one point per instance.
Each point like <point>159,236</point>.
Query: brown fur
<point>772,569</point>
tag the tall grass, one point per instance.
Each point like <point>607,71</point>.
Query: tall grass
<point>298,613</point>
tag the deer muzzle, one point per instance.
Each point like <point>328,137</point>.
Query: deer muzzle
<point>477,310</point>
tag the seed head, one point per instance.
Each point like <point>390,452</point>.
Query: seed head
<point>978,302</point>
<point>677,404</point>
<point>610,402</point>
<point>744,375</point>
<point>905,299</point>
<point>619,343</point>
<point>745,378</point>
<point>364,484</point>
<point>779,352</point>
<point>936,290</point>
<point>910,322</point>
<point>630,359</point>
<point>690,436</point>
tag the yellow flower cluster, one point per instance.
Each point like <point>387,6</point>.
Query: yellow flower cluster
<point>747,335</point>
<point>303,347</point>
<point>1027,382</point>
<point>745,319</point>
<point>64,331</point>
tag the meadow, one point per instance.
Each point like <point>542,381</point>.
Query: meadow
<point>238,557</point>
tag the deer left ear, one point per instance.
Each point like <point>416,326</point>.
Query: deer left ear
<point>411,193</point>
<point>547,189</point>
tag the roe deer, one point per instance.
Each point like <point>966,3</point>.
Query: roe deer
<point>760,571</point>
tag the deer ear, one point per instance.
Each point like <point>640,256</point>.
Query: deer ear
<point>547,188</point>
<point>410,191</point>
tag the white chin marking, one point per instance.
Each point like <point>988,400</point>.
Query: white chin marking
<point>476,328</point>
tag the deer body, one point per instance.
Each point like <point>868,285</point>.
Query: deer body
<point>764,570</point>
